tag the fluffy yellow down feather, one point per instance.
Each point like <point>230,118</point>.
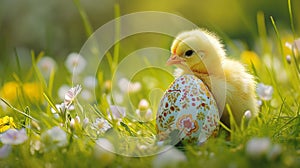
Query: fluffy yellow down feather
<point>200,52</point>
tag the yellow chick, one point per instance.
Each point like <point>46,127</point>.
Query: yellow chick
<point>200,52</point>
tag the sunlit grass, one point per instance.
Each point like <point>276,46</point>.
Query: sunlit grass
<point>278,120</point>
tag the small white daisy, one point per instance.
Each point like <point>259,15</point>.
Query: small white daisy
<point>265,92</point>
<point>86,95</point>
<point>171,157</point>
<point>54,138</point>
<point>258,147</point>
<point>46,65</point>
<point>90,82</point>
<point>71,95</point>
<point>129,87</point>
<point>101,125</point>
<point>75,63</point>
<point>118,112</point>
<point>14,137</point>
<point>144,112</point>
<point>62,91</point>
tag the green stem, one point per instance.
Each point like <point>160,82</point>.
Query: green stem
<point>17,110</point>
<point>291,18</point>
<point>117,36</point>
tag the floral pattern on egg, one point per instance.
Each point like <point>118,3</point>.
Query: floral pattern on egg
<point>188,106</point>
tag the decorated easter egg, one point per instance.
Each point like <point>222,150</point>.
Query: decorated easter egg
<point>189,109</point>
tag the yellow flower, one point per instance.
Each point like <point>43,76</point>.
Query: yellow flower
<point>6,123</point>
<point>12,90</point>
<point>9,91</point>
<point>249,58</point>
<point>33,91</point>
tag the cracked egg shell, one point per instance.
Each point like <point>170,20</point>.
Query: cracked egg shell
<point>188,108</point>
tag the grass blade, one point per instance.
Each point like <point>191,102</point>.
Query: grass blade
<point>18,61</point>
<point>279,41</point>
<point>87,25</point>
<point>36,69</point>
<point>291,18</point>
<point>225,127</point>
<point>233,123</point>
<point>117,36</point>
<point>17,110</point>
<point>50,102</point>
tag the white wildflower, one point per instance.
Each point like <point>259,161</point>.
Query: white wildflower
<point>90,82</point>
<point>61,109</point>
<point>85,122</point>
<point>71,95</point>
<point>54,138</point>
<point>144,104</point>
<point>46,65</point>
<point>289,45</point>
<point>35,145</point>
<point>295,46</point>
<point>117,112</point>
<point>104,151</point>
<point>117,97</point>
<point>75,63</point>
<point>265,92</point>
<point>275,152</point>
<point>14,137</point>
<point>101,125</point>
<point>288,59</point>
<point>5,151</point>
<point>169,158</point>
<point>86,95</point>
<point>258,147</point>
<point>128,87</point>
<point>259,103</point>
<point>247,115</point>
<point>62,91</point>
<point>144,112</point>
<point>72,124</point>
<point>77,120</point>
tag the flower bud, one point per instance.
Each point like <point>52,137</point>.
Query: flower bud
<point>247,115</point>
<point>288,59</point>
<point>77,120</point>
<point>85,123</point>
<point>143,105</point>
<point>72,124</point>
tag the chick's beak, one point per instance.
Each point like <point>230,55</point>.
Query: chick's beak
<point>174,59</point>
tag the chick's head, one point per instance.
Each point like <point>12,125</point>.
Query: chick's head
<point>197,51</point>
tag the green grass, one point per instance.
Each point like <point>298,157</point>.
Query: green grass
<point>278,119</point>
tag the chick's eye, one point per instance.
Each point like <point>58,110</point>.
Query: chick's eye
<point>189,53</point>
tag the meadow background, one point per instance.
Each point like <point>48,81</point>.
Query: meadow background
<point>258,33</point>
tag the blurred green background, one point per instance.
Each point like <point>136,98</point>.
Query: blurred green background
<point>55,26</point>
